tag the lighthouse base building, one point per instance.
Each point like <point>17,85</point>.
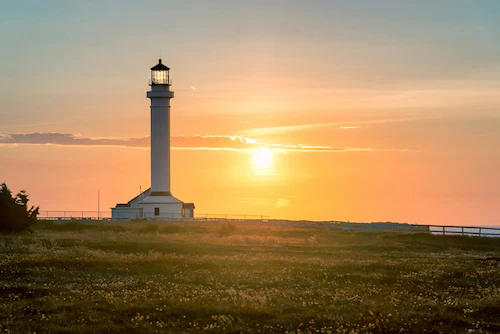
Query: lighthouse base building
<point>145,206</point>
<point>157,202</point>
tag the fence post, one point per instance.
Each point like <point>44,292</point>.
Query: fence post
<point>443,231</point>
<point>462,230</point>
<point>479,231</point>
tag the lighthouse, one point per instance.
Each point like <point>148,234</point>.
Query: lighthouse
<point>157,202</point>
<point>160,96</point>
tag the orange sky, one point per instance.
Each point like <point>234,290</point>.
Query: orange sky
<point>370,114</point>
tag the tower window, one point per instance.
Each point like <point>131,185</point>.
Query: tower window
<point>157,211</point>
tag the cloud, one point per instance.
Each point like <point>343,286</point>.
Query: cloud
<point>35,124</point>
<point>283,202</point>
<point>302,127</point>
<point>254,200</point>
<point>64,139</point>
<point>195,142</point>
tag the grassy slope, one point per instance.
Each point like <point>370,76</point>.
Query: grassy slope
<point>143,277</point>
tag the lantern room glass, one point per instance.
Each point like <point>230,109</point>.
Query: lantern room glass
<point>159,77</point>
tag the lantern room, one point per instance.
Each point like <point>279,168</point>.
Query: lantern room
<point>160,74</point>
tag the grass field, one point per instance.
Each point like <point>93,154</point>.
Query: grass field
<point>166,277</point>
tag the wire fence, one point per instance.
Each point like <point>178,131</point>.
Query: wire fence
<point>479,231</point>
<point>74,215</point>
<point>106,215</point>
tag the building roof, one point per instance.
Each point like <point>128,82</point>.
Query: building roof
<point>160,67</point>
<point>188,205</point>
<point>144,193</point>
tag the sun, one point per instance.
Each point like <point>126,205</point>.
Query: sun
<point>262,158</point>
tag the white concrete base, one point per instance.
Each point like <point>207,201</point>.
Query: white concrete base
<point>159,199</point>
<point>143,207</point>
<point>126,213</point>
<point>161,207</point>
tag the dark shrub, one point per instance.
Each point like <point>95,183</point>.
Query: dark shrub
<point>172,228</point>
<point>15,215</point>
<point>149,228</point>
<point>227,228</point>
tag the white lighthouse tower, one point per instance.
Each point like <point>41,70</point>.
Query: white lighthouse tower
<point>157,202</point>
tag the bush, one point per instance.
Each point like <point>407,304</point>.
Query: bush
<point>171,229</point>
<point>149,228</point>
<point>227,228</point>
<point>14,213</point>
<point>45,225</point>
<point>74,225</point>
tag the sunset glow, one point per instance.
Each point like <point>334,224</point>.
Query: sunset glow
<point>262,158</point>
<point>330,110</point>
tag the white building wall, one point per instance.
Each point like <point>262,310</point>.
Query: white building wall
<point>125,213</point>
<point>167,211</point>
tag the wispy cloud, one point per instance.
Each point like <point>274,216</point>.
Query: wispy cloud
<point>35,124</point>
<point>276,202</point>
<point>195,142</point>
<point>342,125</point>
<point>65,139</point>
<point>283,202</point>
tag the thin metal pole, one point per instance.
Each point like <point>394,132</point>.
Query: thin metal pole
<point>98,204</point>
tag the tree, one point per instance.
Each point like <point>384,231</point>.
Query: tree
<point>14,213</point>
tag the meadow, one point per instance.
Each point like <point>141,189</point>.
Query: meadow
<point>143,277</point>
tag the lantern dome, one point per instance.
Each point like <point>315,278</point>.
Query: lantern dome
<point>160,74</point>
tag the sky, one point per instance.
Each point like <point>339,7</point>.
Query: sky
<point>369,110</point>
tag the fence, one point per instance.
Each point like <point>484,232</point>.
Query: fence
<point>74,215</point>
<point>231,217</point>
<point>106,215</point>
<point>479,231</point>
